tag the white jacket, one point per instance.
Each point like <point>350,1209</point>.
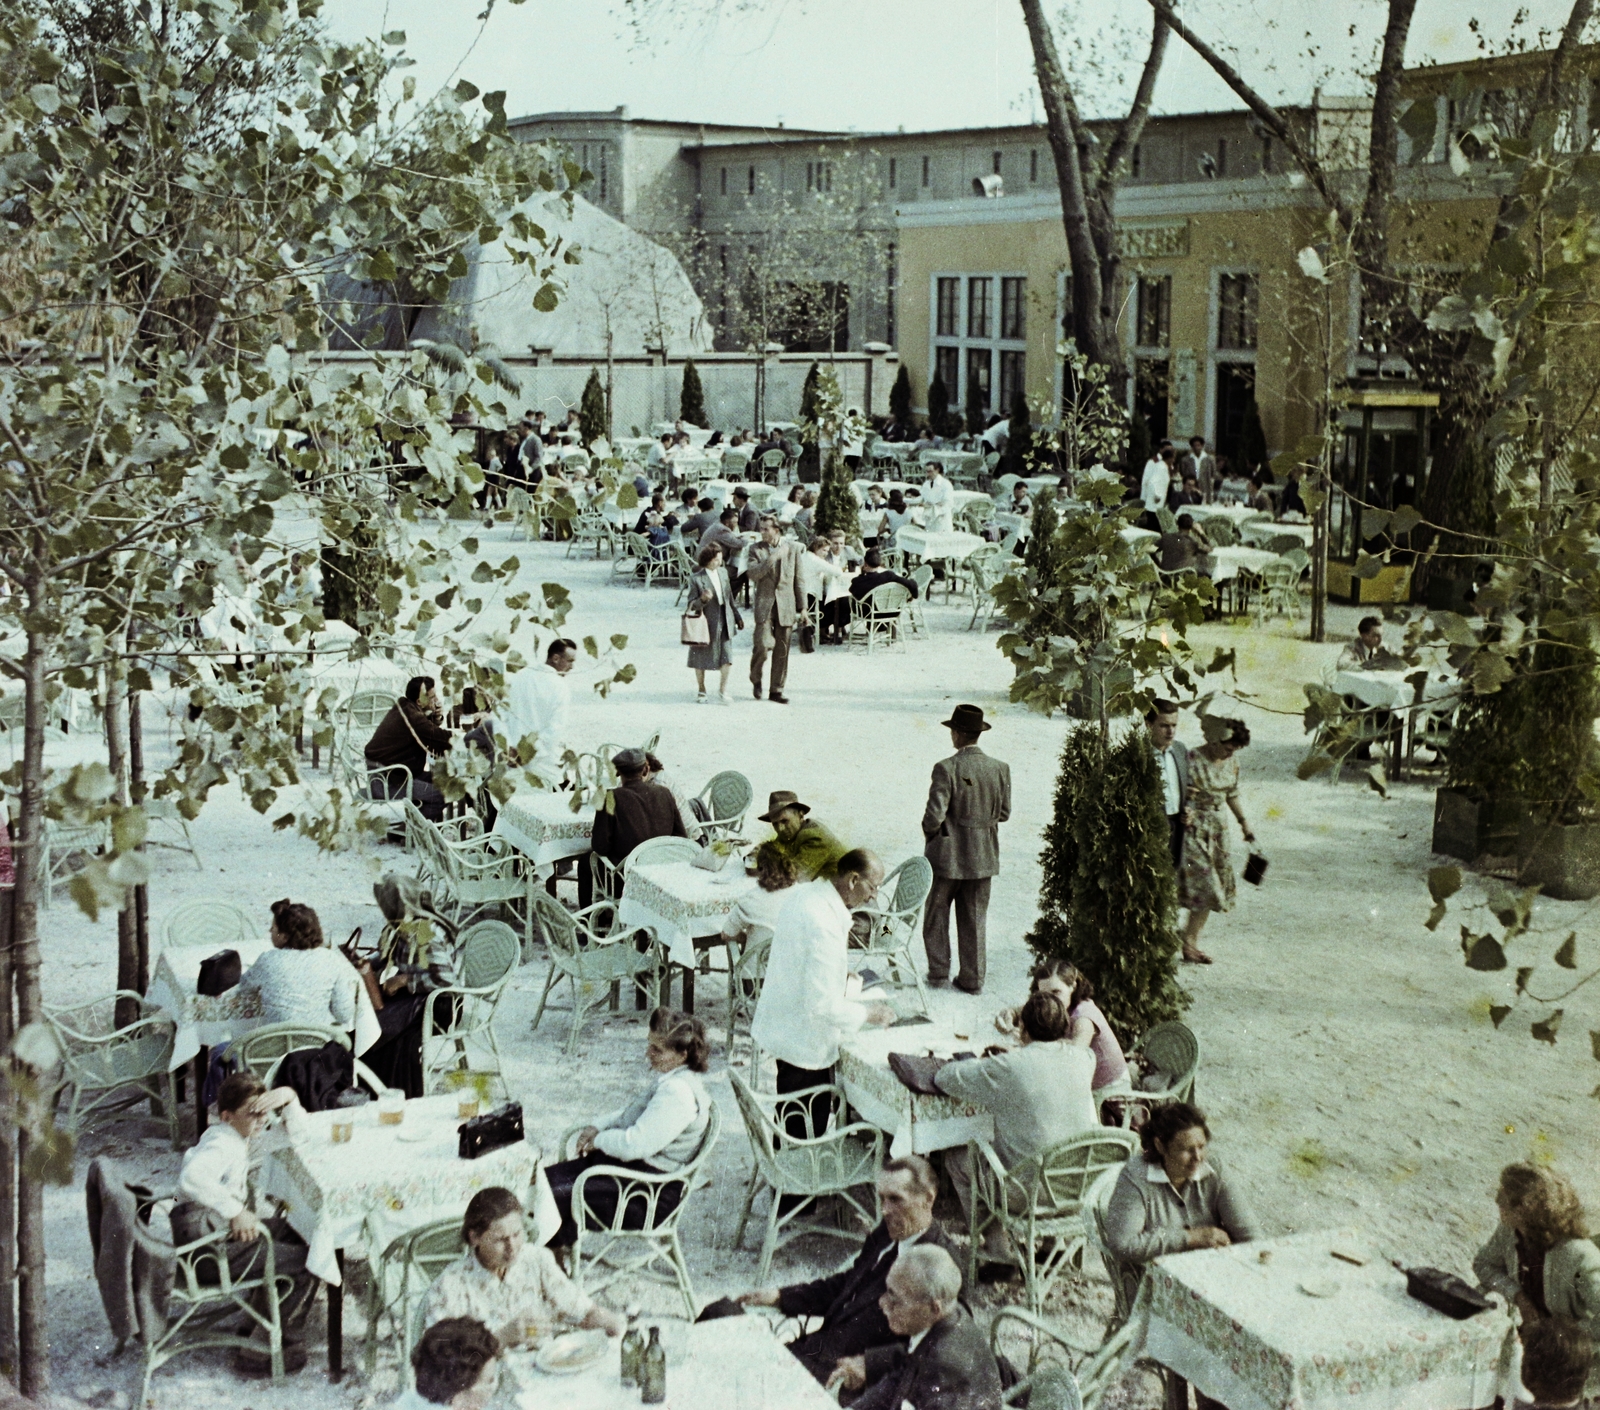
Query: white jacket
<point>803,1013</point>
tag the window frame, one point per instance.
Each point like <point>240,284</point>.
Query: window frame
<point>963,346</point>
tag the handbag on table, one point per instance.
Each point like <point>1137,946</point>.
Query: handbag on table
<point>491,1131</point>
<point>219,973</point>
<point>694,630</point>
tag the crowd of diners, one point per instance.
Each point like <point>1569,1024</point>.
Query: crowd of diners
<point>898,1318</point>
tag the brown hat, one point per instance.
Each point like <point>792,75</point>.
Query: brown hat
<point>777,802</point>
<point>966,718</point>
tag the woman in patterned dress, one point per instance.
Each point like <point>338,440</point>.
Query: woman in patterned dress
<point>1205,879</point>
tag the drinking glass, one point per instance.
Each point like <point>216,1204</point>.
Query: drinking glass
<point>391,1107</point>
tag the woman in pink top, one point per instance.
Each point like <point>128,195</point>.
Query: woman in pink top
<point>1089,1027</point>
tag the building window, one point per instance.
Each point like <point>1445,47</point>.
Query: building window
<point>1134,164</point>
<point>1013,308</point>
<point>997,163</point>
<point>604,175</point>
<point>1222,156</point>
<point>751,178</point>
<point>1236,312</point>
<point>722,309</point>
<point>980,299</point>
<point>924,171</point>
<point>1154,322</point>
<point>1011,383</point>
<point>827,175</point>
<point>1033,164</point>
<point>979,350</point>
<point>724,181</point>
<point>892,173</point>
<point>948,321</point>
<point>819,176</point>
<point>811,176</point>
<point>893,273</point>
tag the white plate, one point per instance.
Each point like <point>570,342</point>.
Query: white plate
<point>1321,1287</point>
<point>571,1353</point>
<point>413,1135</point>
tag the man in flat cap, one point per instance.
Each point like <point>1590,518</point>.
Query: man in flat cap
<point>640,810</point>
<point>968,800</point>
<point>809,846</point>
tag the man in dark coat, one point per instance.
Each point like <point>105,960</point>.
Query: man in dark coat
<point>640,810</point>
<point>947,1364</point>
<point>968,799</point>
<point>1172,758</point>
<point>853,1323</point>
<point>406,738</point>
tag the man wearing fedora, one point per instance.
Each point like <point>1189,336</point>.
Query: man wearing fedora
<point>806,844</point>
<point>969,798</point>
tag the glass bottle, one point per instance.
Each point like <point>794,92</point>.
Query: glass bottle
<point>632,1354</point>
<point>653,1370</point>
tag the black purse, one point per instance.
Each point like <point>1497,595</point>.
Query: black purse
<point>1255,868</point>
<point>219,973</point>
<point>808,638</point>
<point>1446,1293</point>
<point>491,1131</point>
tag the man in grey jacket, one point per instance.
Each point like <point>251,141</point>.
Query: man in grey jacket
<point>1039,1095</point>
<point>774,575</point>
<point>969,798</point>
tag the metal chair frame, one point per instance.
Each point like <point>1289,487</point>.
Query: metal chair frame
<point>486,957</point>
<point>585,950</point>
<point>727,797</point>
<point>876,617</point>
<point>1174,1049</point>
<point>660,1232</point>
<point>836,1161</point>
<point>896,930</point>
<point>1048,1385</point>
<point>101,1062</point>
<point>401,1277</point>
<point>207,921</point>
<point>262,1049</point>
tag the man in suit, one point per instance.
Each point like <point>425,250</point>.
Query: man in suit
<point>640,810</point>
<point>969,798</point>
<point>1172,757</point>
<point>874,574</point>
<point>725,534</point>
<point>749,515</point>
<point>1040,1094</point>
<point>947,1364</point>
<point>774,576</point>
<point>853,1324</point>
<point>1198,464</point>
<point>697,523</point>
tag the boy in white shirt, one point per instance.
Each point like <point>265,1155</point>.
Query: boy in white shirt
<point>214,1194</point>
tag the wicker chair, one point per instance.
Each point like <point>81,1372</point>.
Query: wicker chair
<point>895,937</point>
<point>584,951</point>
<point>486,957</point>
<point>1171,1049</point>
<point>726,798</point>
<point>109,1069</point>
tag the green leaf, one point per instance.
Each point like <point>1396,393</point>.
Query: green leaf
<point>1545,1029</point>
<point>1567,955</point>
<point>46,97</point>
<point>483,573</point>
<point>1435,915</point>
<point>619,642</point>
<point>546,299</point>
<point>1524,974</point>
<point>1497,1013</point>
<point>129,830</point>
<point>1444,882</point>
<point>1594,1043</point>
<point>1483,953</point>
<point>381,268</point>
<point>591,646</point>
<point>395,36</point>
<point>465,92</point>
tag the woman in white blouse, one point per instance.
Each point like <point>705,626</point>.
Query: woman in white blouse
<point>515,1289</point>
<point>658,1132</point>
<point>823,581</point>
<point>756,912</point>
<point>300,979</point>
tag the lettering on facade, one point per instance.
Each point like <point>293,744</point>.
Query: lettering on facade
<point>1169,240</point>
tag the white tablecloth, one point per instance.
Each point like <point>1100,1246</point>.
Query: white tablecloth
<point>917,1124</point>
<point>734,1363</point>
<point>1229,559</point>
<point>1135,535</point>
<point>957,460</point>
<point>1390,690</point>
<point>361,1195</point>
<point>542,826</point>
<point>1248,1334</point>
<point>953,547</point>
<point>1236,514</point>
<point>682,902</point>
<point>1263,531</point>
<point>1019,524</point>
<point>205,1020</point>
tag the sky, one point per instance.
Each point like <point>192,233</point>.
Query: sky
<point>879,65</point>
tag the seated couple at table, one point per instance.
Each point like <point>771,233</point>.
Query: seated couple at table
<point>659,1131</point>
<point>410,736</point>
<point>1087,1026</point>
<point>854,1342</point>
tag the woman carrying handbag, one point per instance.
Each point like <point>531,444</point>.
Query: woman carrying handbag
<point>710,622</point>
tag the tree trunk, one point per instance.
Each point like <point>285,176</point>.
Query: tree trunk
<point>136,792</point>
<point>8,1154</point>
<point>32,1341</point>
<point>1093,318</point>
<point>117,761</point>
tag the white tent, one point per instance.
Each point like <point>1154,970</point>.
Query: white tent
<point>624,280</point>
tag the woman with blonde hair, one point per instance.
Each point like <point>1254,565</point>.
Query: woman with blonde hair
<point>1540,1257</point>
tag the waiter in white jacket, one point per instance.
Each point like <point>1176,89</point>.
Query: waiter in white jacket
<point>804,1011</point>
<point>539,703</point>
<point>938,496</point>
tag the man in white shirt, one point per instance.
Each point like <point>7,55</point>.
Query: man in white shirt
<point>214,1194</point>
<point>804,1011</point>
<point>1157,480</point>
<point>1172,758</point>
<point>938,496</point>
<point>539,703</point>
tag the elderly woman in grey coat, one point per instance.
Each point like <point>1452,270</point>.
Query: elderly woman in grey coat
<point>711,597</point>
